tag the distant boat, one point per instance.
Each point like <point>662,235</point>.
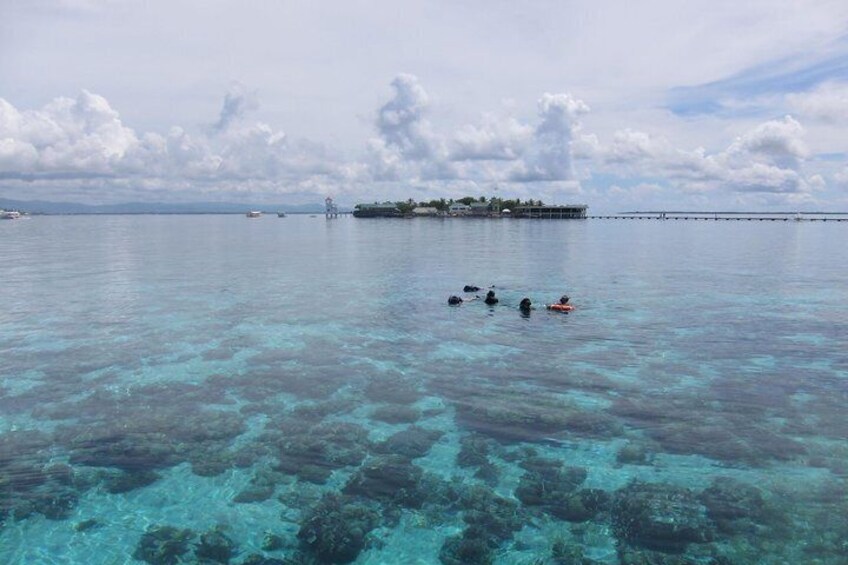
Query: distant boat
<point>254,214</point>
<point>9,215</point>
<point>281,214</point>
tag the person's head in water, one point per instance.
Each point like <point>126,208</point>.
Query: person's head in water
<point>490,298</point>
<point>563,299</point>
<point>454,301</point>
<point>490,294</point>
<point>525,304</point>
<point>470,288</point>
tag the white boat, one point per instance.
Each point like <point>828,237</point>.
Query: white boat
<point>9,215</point>
<point>254,214</point>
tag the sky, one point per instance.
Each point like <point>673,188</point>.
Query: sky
<point>650,105</point>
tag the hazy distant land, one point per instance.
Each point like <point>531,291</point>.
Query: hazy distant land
<point>47,207</point>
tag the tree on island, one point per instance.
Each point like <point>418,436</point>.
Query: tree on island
<point>495,203</point>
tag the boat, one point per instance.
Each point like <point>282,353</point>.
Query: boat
<point>254,214</point>
<point>281,214</point>
<point>9,215</point>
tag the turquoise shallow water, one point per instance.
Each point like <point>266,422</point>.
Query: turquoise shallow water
<point>222,390</point>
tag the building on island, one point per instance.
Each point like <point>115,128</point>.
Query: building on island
<point>480,209</point>
<point>377,210</point>
<point>472,210</point>
<point>459,209</point>
<point>566,212</point>
<point>425,211</point>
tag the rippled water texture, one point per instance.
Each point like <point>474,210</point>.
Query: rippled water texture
<point>223,390</point>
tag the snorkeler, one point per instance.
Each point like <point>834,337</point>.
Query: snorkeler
<point>491,300</point>
<point>525,305</point>
<point>470,288</point>
<point>562,305</point>
<point>456,300</point>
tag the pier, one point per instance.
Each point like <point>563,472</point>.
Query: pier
<point>728,216</point>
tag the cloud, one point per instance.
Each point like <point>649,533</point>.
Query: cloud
<point>778,141</point>
<point>841,178</point>
<point>499,149</point>
<point>84,138</point>
<point>827,103</point>
<point>84,135</point>
<point>550,156</point>
<point>494,140</point>
<point>401,123</point>
<point>769,158</point>
<point>237,103</point>
<point>406,146</point>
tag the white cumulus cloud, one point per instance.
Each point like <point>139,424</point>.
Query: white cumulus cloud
<point>493,140</point>
<point>828,103</point>
<point>406,146</point>
<point>770,158</point>
<point>550,156</point>
<point>84,138</point>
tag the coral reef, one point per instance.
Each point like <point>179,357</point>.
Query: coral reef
<point>215,547</point>
<point>411,443</point>
<point>312,453</point>
<point>391,479</point>
<point>396,414</point>
<point>163,545</point>
<point>335,529</point>
<point>659,517</point>
<point>124,482</point>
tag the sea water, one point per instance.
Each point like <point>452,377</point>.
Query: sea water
<point>297,390</point>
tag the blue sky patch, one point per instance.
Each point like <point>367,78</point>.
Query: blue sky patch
<point>783,76</point>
